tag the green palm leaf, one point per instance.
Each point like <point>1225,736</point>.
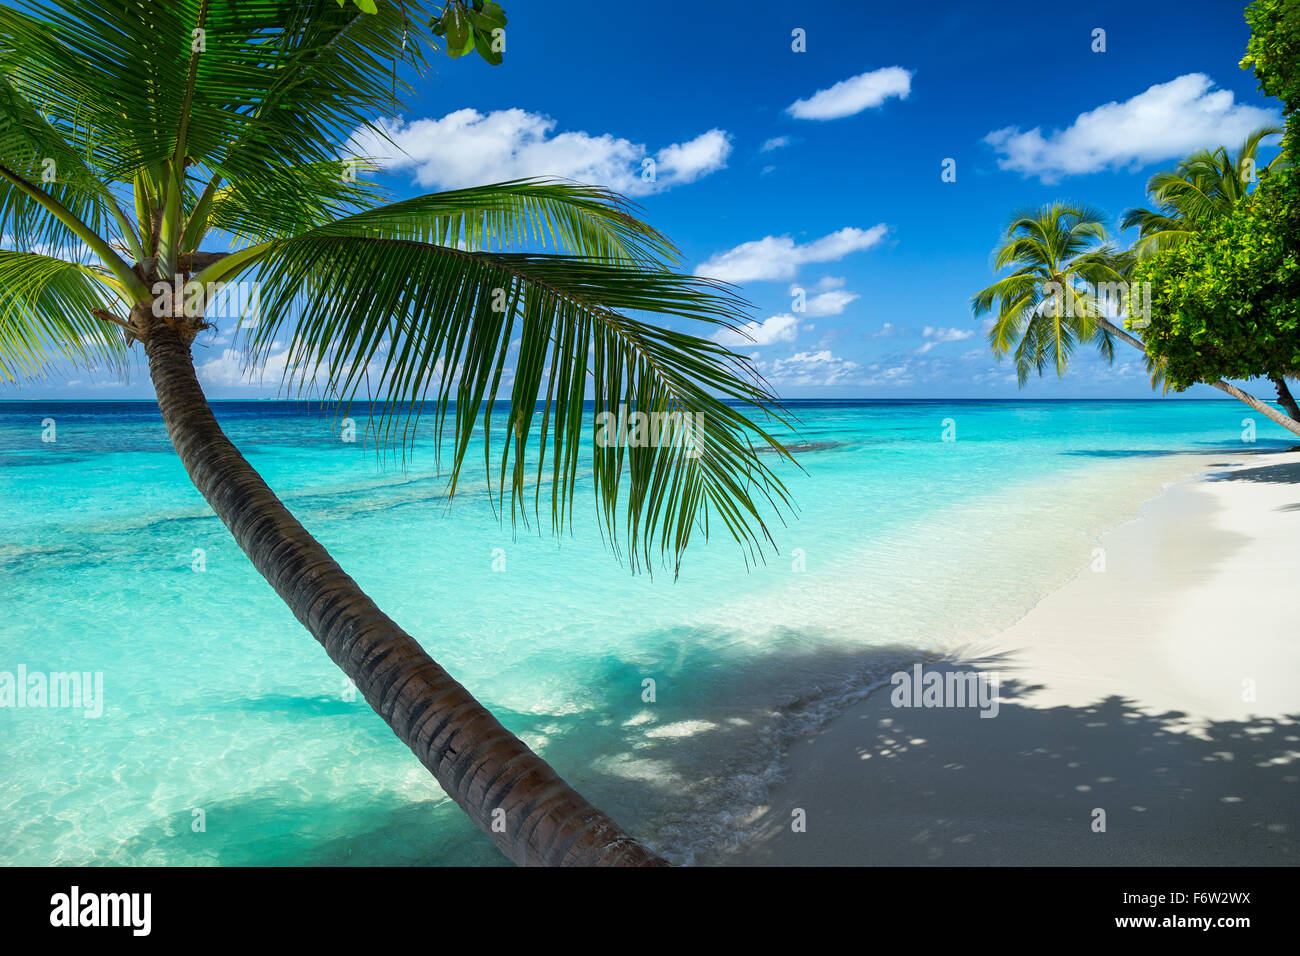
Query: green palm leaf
<point>47,308</point>
<point>416,322</point>
<point>1047,307</point>
<point>1202,187</point>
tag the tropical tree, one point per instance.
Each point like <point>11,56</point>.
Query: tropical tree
<point>1225,302</point>
<point>1044,309</point>
<point>1226,293</point>
<point>1068,286</point>
<point>1273,52</point>
<point>131,131</point>
<point>1202,188</point>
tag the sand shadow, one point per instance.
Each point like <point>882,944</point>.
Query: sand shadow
<point>1028,787</point>
<point>1281,474</point>
<point>694,781</point>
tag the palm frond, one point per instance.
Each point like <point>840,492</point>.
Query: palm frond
<point>565,217</point>
<point>420,322</point>
<point>284,202</point>
<point>46,314</point>
<point>242,86</point>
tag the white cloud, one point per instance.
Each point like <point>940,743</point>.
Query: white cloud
<point>78,251</point>
<point>778,328</point>
<point>946,335</point>
<point>230,368</point>
<point>833,301</point>
<point>830,303</point>
<point>894,375</point>
<point>687,162</point>
<point>469,148</point>
<point>809,368</point>
<point>822,367</point>
<point>938,336</point>
<point>1167,121</point>
<point>857,93</point>
<point>777,257</point>
<point>776,142</point>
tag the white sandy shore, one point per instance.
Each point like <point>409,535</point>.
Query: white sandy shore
<point>1164,690</point>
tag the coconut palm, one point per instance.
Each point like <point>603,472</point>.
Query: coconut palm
<point>1067,287</point>
<point>131,131</point>
<point>1058,252</point>
<point>1202,187</point>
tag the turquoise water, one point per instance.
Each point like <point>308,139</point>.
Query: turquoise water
<point>219,710</point>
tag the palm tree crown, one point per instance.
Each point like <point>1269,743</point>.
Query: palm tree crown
<point>1048,304</point>
<point>1202,187</point>
<point>135,131</point>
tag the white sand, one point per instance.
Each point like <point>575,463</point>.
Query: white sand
<point>1164,690</point>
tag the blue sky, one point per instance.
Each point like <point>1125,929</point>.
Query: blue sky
<point>847,200</point>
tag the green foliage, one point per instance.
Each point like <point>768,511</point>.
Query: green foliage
<point>46,310</point>
<point>1225,297</point>
<point>477,25</point>
<point>1201,188</point>
<point>1225,303</point>
<point>1044,308</point>
<point>165,120</point>
<point>1274,52</point>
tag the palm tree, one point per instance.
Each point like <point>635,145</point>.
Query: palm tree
<point>1201,188</point>
<point>1054,250</point>
<point>1066,278</point>
<point>133,130</point>
<point>1205,186</point>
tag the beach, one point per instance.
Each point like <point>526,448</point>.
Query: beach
<point>1147,712</point>
<point>905,547</point>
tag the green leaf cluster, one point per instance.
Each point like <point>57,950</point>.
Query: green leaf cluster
<point>131,133</point>
<point>1225,303</point>
<point>472,26</point>
<point>1274,52</point>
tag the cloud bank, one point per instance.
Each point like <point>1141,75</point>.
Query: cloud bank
<point>469,148</point>
<point>779,257</point>
<point>1167,121</point>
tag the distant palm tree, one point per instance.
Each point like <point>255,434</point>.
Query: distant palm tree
<point>1067,288</point>
<point>1205,186</point>
<point>1201,188</point>
<point>1045,310</point>
<point>136,129</point>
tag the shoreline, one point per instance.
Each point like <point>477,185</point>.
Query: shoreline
<point>1123,704</point>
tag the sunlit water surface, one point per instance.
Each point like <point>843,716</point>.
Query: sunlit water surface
<point>228,737</point>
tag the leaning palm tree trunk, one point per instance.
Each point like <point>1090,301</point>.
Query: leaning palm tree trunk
<point>1290,424</point>
<point>1262,407</point>
<point>480,764</point>
<point>1285,398</point>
